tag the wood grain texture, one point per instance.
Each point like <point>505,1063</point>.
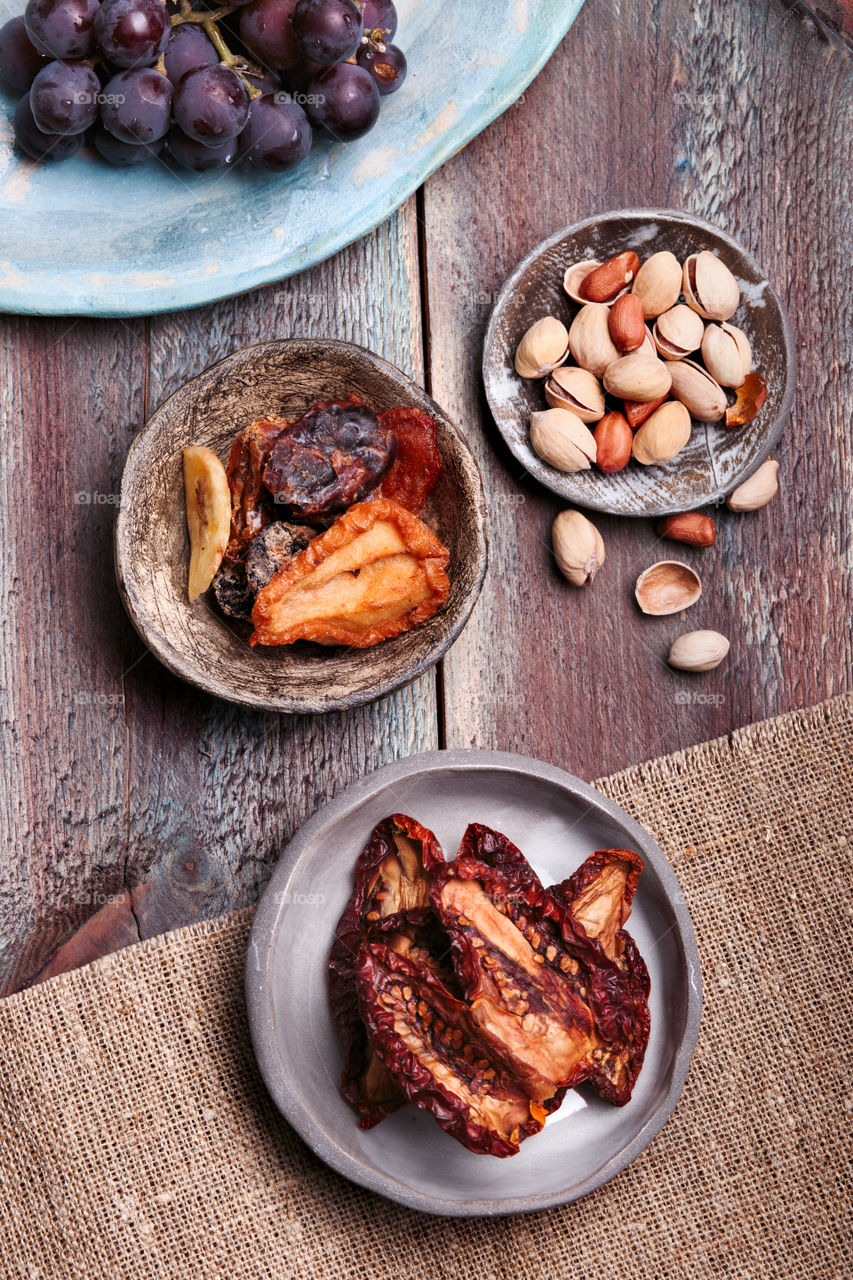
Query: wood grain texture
<point>739,114</point>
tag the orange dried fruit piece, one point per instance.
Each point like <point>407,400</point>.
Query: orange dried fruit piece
<point>750,397</point>
<point>377,572</point>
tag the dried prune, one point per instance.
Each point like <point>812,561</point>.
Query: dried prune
<point>233,594</point>
<point>327,460</point>
<point>272,548</point>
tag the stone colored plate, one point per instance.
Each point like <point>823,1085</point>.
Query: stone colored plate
<point>197,642</point>
<point>557,821</point>
<point>716,459</point>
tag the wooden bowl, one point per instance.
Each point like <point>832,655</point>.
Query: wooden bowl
<point>200,644</point>
<point>716,460</point>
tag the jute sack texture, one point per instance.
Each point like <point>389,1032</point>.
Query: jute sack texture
<point>137,1140</point>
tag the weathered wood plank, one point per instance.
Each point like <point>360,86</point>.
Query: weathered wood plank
<point>738,113</point>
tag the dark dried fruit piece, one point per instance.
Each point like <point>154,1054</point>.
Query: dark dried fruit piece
<point>251,508</point>
<point>417,466</point>
<point>233,594</point>
<point>750,397</point>
<point>329,459</point>
<point>272,548</point>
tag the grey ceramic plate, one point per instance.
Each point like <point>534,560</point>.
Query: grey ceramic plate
<point>557,821</point>
<point>200,644</point>
<point>716,459</point>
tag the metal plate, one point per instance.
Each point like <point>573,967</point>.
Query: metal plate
<point>716,459</point>
<point>557,821</point>
<point>86,239</point>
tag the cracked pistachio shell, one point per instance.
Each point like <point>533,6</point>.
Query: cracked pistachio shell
<point>727,354</point>
<point>648,347</point>
<point>562,440</point>
<point>658,283</point>
<point>589,338</point>
<point>698,651</point>
<point>758,490</point>
<point>667,587</point>
<point>709,287</point>
<point>663,435</point>
<point>575,275</point>
<point>576,389</point>
<point>578,547</point>
<point>637,377</point>
<point>697,390</point>
<point>678,332</point>
<point>543,348</point>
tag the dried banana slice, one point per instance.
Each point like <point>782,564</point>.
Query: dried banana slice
<point>208,516</point>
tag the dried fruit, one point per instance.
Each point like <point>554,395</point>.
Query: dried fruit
<point>637,411</point>
<point>698,651</point>
<point>251,505</point>
<point>415,470</point>
<point>709,287</point>
<point>658,283</point>
<point>690,527</point>
<point>578,547</point>
<point>613,441</point>
<point>678,332</point>
<point>575,389</point>
<point>606,281</point>
<point>543,348</point>
<point>667,587</point>
<point>575,275</point>
<point>758,490</point>
<point>627,326</point>
<point>637,377</point>
<point>589,339</point>
<point>663,435</point>
<point>727,353</point>
<point>697,390</point>
<point>559,436</point>
<point>750,397</point>
<point>208,516</point>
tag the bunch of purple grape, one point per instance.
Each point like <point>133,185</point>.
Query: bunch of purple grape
<point>249,81</point>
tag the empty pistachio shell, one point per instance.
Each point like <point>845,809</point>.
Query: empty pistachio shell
<point>709,287</point>
<point>757,491</point>
<point>543,348</point>
<point>694,387</point>
<point>667,587</point>
<point>637,377</point>
<point>562,440</point>
<point>727,354</point>
<point>576,389</point>
<point>648,347</point>
<point>663,435</point>
<point>658,282</point>
<point>574,276</point>
<point>678,332</point>
<point>698,651</point>
<point>590,341</point>
<point>578,547</point>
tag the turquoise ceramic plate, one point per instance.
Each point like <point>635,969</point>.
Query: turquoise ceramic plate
<point>83,238</point>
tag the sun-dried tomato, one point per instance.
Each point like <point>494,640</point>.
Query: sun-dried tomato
<point>417,466</point>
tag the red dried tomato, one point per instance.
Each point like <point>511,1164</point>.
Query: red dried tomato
<point>417,466</point>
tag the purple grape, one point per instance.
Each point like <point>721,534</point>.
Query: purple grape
<point>62,28</point>
<point>64,97</point>
<point>345,101</point>
<point>327,31</point>
<point>124,154</point>
<point>20,61</point>
<point>277,135</point>
<point>385,63</point>
<point>49,147</point>
<point>136,105</point>
<point>266,31</point>
<point>190,154</point>
<point>188,47</point>
<point>298,80</point>
<point>132,33</point>
<point>267,81</point>
<point>211,104</point>
<point>380,15</point>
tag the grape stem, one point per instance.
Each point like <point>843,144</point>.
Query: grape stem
<point>208,20</point>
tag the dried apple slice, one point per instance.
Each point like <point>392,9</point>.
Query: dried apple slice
<point>208,516</point>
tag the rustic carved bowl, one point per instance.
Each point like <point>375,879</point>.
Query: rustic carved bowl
<point>197,642</point>
<point>557,821</point>
<point>716,459</point>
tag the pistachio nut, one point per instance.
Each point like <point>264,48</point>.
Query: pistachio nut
<point>709,287</point>
<point>575,275</point>
<point>578,547</point>
<point>589,339</point>
<point>658,283</point>
<point>576,389</point>
<point>561,439</point>
<point>698,651</point>
<point>678,332</point>
<point>757,491</point>
<point>648,344</point>
<point>663,435</point>
<point>695,388</point>
<point>637,377</point>
<point>727,353</point>
<point>543,348</point>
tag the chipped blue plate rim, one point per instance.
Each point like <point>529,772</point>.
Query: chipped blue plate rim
<point>82,238</point>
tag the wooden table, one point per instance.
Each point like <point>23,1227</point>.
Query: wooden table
<point>130,802</point>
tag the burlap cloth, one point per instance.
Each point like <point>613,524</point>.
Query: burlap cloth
<point>138,1140</point>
